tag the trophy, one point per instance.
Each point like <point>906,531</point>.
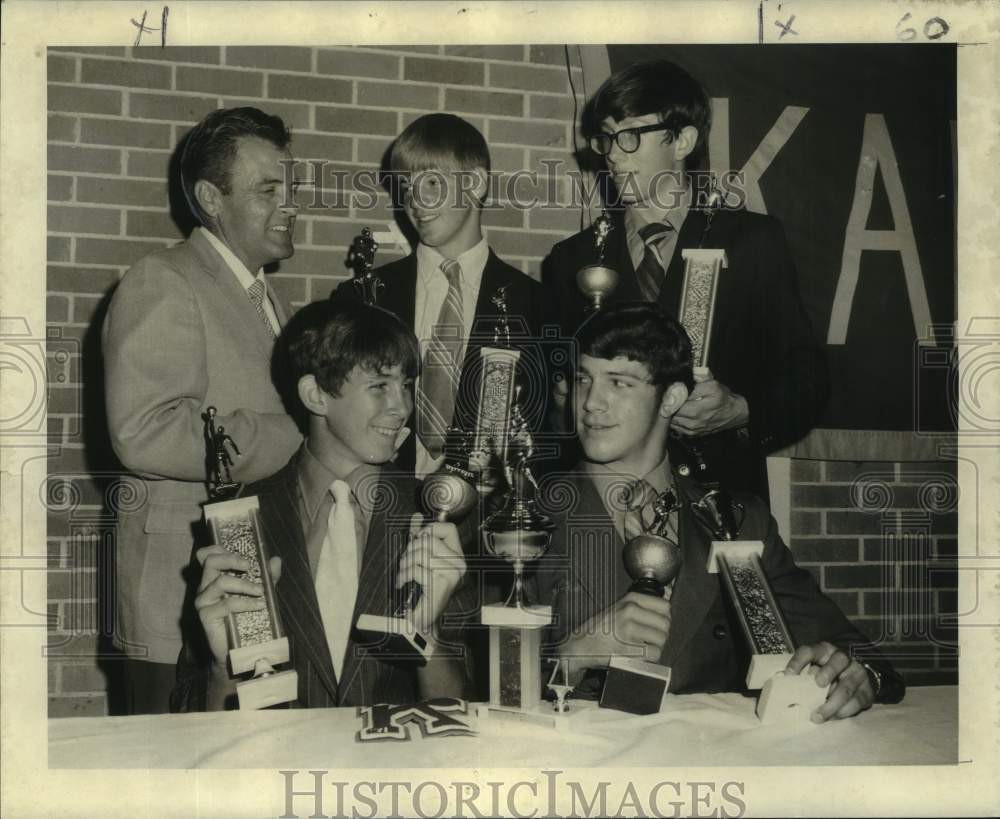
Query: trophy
<point>361,259</point>
<point>257,642</point>
<point>596,281</point>
<point>652,560</point>
<point>518,533</point>
<point>760,617</point>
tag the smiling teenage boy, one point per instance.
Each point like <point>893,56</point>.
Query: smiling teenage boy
<point>342,522</point>
<point>440,170</point>
<point>632,376</point>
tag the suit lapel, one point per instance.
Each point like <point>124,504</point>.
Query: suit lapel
<point>296,589</point>
<point>399,295</point>
<point>695,589</point>
<point>240,314</point>
<point>378,564</point>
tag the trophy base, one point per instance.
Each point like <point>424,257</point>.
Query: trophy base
<point>791,698</point>
<point>635,686</point>
<point>272,652</point>
<point>271,689</point>
<point>765,666</point>
<point>393,638</point>
<point>517,616</point>
<point>542,715</point>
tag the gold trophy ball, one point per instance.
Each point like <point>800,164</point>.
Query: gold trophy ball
<point>596,281</point>
<point>448,496</point>
<point>653,557</point>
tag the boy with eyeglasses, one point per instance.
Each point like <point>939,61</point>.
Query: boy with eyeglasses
<point>768,383</point>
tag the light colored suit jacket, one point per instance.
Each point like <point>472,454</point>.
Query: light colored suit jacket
<point>181,335</point>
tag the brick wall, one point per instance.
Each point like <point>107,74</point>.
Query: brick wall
<point>115,117</point>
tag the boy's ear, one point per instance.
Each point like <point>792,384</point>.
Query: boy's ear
<point>673,398</point>
<point>482,184</point>
<point>686,141</point>
<point>311,395</point>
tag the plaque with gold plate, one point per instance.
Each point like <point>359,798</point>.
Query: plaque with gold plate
<point>257,642</point>
<point>738,563</point>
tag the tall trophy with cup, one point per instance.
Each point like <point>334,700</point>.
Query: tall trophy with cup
<point>598,280</point>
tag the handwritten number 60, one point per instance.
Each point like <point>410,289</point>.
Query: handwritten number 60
<point>934,29</point>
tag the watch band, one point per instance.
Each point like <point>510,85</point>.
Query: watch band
<point>875,676</point>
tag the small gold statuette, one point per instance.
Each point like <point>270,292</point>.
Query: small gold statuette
<point>597,281</point>
<point>257,642</point>
<point>361,259</point>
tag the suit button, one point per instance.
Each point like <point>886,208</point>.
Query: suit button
<point>719,632</point>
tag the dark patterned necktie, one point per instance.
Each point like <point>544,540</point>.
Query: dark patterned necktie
<point>651,270</point>
<point>638,508</point>
<point>441,366</point>
<point>256,293</point>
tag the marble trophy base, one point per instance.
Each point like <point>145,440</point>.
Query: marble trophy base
<point>790,698</point>
<point>515,661</point>
<point>270,688</point>
<point>635,686</point>
<point>393,638</point>
<point>577,715</point>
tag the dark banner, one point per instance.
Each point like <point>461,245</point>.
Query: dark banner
<point>852,148</point>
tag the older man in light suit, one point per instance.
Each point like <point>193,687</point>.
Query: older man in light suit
<point>190,327</point>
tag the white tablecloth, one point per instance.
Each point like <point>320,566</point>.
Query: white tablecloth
<point>700,729</point>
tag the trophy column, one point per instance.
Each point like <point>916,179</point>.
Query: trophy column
<point>702,267</point>
<point>257,642</point>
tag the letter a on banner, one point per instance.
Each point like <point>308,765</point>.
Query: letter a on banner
<point>877,152</point>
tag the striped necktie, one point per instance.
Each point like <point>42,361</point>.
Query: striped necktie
<point>651,270</point>
<point>256,293</point>
<point>439,375</point>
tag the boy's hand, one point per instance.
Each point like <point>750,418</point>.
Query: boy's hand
<point>852,689</point>
<point>711,407</point>
<point>636,626</point>
<point>434,559</point>
<point>221,594</point>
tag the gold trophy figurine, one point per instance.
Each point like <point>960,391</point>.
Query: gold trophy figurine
<point>257,642</point>
<point>597,281</point>
<point>361,259</point>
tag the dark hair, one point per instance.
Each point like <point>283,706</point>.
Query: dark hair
<point>653,87</point>
<point>640,332</point>
<point>210,147</point>
<point>438,142</point>
<point>330,338</point>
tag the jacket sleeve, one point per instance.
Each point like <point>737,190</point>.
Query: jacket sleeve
<point>156,380</point>
<point>813,617</point>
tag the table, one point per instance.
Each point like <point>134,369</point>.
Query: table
<point>691,730</point>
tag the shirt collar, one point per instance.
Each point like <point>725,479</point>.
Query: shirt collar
<point>674,217</point>
<point>610,484</point>
<point>244,276</point>
<point>473,262</point>
<point>315,479</point>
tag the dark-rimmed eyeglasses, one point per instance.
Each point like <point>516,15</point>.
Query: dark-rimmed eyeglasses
<point>627,139</point>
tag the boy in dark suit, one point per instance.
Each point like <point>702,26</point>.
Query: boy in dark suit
<point>768,382</point>
<point>633,375</point>
<point>443,291</point>
<point>342,522</point>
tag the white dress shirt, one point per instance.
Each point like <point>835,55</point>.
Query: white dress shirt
<point>244,276</point>
<point>432,288</point>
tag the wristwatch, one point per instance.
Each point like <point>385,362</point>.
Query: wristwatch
<point>875,676</point>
